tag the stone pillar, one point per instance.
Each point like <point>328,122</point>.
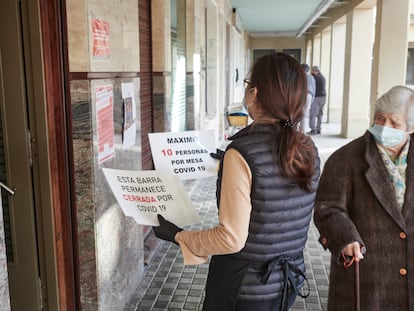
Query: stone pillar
<point>390,52</point>
<point>336,76</point>
<point>358,54</point>
<point>221,103</point>
<point>161,63</point>
<point>192,63</point>
<point>195,57</point>
<point>316,50</point>
<point>325,65</point>
<point>212,58</point>
<point>309,52</point>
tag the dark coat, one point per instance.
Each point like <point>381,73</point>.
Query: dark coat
<point>355,201</point>
<point>320,85</point>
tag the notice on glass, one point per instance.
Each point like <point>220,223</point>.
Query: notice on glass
<point>105,122</point>
<point>129,131</point>
<point>100,38</point>
<point>185,154</point>
<point>144,194</point>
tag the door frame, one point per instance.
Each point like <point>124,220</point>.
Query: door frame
<point>54,143</point>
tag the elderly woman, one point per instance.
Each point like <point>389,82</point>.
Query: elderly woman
<point>365,201</point>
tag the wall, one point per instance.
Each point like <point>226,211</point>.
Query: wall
<point>279,43</point>
<point>111,254</point>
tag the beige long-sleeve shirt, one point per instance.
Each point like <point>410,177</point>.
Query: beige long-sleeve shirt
<point>230,235</point>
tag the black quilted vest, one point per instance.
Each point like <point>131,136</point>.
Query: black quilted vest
<point>280,217</point>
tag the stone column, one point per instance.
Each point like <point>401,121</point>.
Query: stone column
<point>194,40</point>
<point>336,81</point>
<point>212,51</point>
<point>316,50</point>
<point>358,54</point>
<point>161,64</point>
<point>325,65</point>
<point>390,52</point>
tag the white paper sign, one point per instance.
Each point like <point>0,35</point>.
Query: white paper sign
<point>185,154</point>
<point>144,194</point>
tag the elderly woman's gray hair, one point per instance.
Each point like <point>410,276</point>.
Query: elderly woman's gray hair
<point>399,99</point>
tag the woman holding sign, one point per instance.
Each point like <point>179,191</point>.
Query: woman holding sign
<point>265,191</point>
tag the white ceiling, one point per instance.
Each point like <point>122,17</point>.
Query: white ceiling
<point>285,17</point>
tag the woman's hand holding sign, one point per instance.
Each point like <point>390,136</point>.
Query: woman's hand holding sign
<point>166,230</point>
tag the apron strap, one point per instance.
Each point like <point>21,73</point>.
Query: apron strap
<point>289,280</point>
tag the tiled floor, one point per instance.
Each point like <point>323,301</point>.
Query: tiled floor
<point>169,285</point>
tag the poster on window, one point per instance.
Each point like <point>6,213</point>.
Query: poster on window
<point>100,38</point>
<point>185,154</point>
<point>129,130</point>
<point>105,122</point>
<point>144,194</point>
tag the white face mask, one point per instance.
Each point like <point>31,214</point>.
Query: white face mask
<point>387,136</point>
<point>246,107</point>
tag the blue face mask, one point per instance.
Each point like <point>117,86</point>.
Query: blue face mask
<point>387,136</point>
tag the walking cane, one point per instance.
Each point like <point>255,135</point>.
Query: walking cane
<point>348,261</point>
<point>357,297</point>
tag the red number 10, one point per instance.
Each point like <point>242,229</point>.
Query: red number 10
<point>167,152</point>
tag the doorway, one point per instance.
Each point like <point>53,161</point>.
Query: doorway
<point>295,53</point>
<point>31,261</point>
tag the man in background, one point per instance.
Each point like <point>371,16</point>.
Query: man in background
<point>316,111</point>
<point>309,98</point>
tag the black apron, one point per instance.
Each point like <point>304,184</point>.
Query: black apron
<point>225,275</point>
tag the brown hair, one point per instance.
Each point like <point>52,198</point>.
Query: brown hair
<point>281,92</point>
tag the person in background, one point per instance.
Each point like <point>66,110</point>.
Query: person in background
<point>265,192</point>
<point>309,98</point>
<point>365,202</point>
<point>316,111</point>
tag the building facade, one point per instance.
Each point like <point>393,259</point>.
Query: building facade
<point>70,70</point>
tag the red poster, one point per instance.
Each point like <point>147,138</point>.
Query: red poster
<point>100,38</point>
<point>105,122</point>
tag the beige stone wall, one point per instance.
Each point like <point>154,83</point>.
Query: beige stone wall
<point>76,11</point>
<point>161,62</point>
<point>279,43</point>
<point>122,19</point>
<point>161,35</point>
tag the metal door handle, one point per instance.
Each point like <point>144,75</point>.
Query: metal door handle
<point>9,190</point>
